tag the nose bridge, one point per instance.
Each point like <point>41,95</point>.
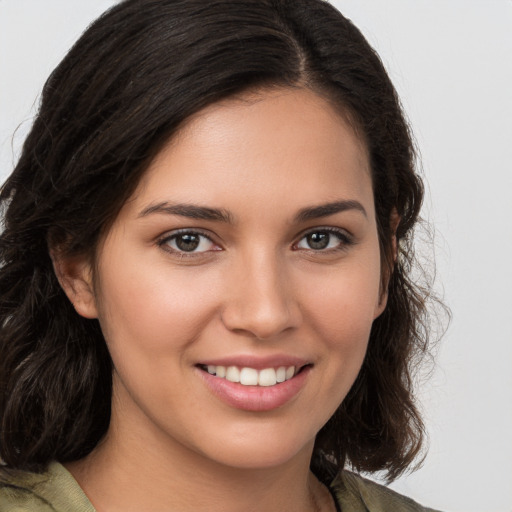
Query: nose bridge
<point>261,299</point>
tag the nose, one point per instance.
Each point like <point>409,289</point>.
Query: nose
<point>260,301</point>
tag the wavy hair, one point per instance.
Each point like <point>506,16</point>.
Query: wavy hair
<point>123,90</point>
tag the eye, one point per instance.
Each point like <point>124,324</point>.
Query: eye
<point>324,239</point>
<point>188,242</point>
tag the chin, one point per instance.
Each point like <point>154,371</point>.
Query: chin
<point>261,451</point>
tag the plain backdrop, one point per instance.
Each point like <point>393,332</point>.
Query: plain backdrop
<point>451,61</point>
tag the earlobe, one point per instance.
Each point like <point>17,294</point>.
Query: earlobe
<point>74,274</point>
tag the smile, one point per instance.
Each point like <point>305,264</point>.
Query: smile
<point>250,376</point>
<point>261,386</point>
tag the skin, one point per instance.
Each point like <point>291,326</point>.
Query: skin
<point>254,288</point>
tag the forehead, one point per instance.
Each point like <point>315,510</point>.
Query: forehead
<point>280,146</point>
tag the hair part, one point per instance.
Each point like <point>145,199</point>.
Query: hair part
<point>124,89</point>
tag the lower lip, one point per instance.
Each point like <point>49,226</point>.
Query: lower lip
<point>255,398</point>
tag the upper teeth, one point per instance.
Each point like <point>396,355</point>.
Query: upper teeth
<point>251,376</point>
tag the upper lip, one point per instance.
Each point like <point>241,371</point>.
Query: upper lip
<point>256,362</point>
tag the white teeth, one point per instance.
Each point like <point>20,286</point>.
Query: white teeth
<point>267,377</point>
<point>249,377</point>
<point>233,374</point>
<point>252,377</point>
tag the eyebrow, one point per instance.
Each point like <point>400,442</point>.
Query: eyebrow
<point>193,211</point>
<point>324,210</point>
<point>190,211</point>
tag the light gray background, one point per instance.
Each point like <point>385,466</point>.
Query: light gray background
<point>451,61</point>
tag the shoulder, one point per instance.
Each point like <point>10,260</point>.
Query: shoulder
<point>19,491</point>
<point>358,494</point>
<point>52,491</point>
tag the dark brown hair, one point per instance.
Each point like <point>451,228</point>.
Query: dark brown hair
<point>121,92</point>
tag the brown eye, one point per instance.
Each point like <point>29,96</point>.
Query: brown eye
<point>188,242</point>
<point>319,240</point>
<point>324,239</point>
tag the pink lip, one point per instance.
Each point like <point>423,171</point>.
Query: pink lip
<point>254,398</point>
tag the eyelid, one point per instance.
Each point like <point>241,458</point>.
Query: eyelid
<point>162,241</point>
<point>346,238</point>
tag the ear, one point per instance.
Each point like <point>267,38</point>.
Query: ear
<point>394,221</point>
<point>381,303</point>
<point>388,264</point>
<point>75,277</point>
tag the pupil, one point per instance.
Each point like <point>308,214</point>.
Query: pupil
<point>319,240</point>
<point>187,242</point>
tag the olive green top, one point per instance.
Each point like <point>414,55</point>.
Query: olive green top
<point>57,491</point>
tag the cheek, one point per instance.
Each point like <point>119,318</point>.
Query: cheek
<point>341,313</point>
<point>347,301</point>
<point>149,308</point>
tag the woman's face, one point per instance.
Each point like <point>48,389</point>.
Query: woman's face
<point>248,252</point>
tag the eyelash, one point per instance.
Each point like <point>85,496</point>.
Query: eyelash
<point>345,240</point>
<point>167,238</point>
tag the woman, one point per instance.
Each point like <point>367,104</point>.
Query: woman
<point>205,291</point>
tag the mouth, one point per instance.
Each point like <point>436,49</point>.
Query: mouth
<point>256,384</point>
<point>246,376</point>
